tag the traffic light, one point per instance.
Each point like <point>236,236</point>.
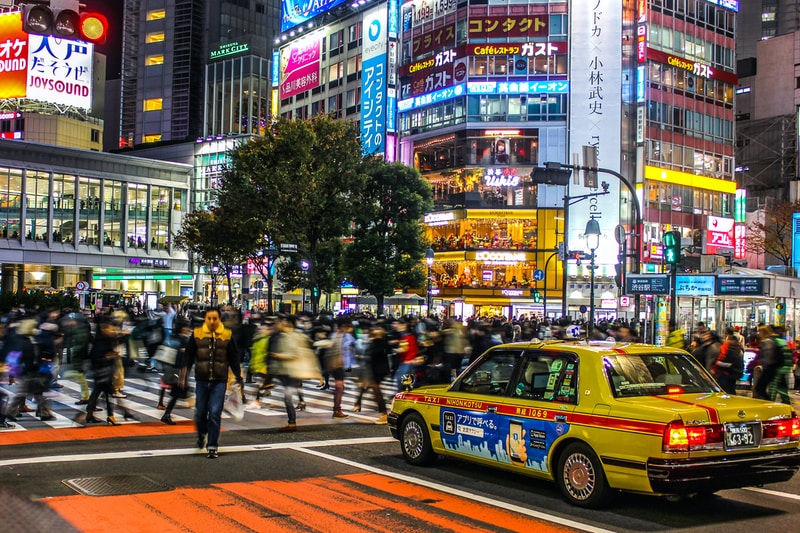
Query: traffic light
<point>537,296</point>
<point>62,19</point>
<point>672,247</point>
<point>94,28</point>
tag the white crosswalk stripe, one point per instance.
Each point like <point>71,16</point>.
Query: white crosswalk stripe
<point>142,391</point>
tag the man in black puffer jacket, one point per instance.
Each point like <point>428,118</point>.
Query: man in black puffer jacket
<point>211,350</point>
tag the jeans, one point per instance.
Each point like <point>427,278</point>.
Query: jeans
<point>208,410</point>
<point>402,369</point>
<point>289,386</point>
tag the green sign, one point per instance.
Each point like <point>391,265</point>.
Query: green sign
<point>229,49</point>
<point>146,277</point>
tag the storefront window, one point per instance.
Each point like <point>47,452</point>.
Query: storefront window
<point>89,211</point>
<point>112,205</point>
<point>63,208</point>
<point>37,202</point>
<point>160,201</point>
<point>10,202</point>
<point>137,216</point>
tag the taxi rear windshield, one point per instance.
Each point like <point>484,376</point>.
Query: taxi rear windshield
<point>654,374</point>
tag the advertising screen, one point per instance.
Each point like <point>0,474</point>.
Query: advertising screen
<point>300,63</point>
<point>296,12</point>
<point>42,67</point>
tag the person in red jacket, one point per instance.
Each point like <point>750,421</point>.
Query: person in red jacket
<point>408,351</point>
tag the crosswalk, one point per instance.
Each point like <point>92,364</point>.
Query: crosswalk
<point>142,391</point>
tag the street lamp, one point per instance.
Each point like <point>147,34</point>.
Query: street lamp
<point>429,261</point>
<point>214,273</point>
<point>592,236</point>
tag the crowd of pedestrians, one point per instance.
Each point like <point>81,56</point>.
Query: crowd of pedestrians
<point>221,348</point>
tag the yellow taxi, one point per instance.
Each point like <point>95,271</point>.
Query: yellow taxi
<point>598,418</point>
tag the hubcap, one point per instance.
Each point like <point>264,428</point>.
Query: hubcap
<point>412,440</point>
<point>579,476</point>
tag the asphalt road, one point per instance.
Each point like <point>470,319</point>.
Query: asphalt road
<point>329,476</point>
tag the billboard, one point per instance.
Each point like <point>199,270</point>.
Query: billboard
<point>373,81</point>
<point>595,117</point>
<point>42,67</point>
<point>296,12</point>
<point>719,235</point>
<point>300,64</point>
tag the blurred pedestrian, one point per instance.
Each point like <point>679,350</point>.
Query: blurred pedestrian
<point>212,352</point>
<point>178,387</point>
<point>729,366</point>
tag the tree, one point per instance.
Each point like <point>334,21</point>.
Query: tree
<point>388,245</point>
<point>214,239</point>
<point>772,232</point>
<point>298,184</point>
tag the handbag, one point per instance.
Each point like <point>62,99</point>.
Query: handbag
<point>234,402</point>
<point>166,354</point>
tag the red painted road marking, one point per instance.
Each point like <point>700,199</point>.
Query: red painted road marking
<point>348,503</point>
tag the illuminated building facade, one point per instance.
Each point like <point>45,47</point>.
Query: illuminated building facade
<point>486,92</point>
<point>195,68</point>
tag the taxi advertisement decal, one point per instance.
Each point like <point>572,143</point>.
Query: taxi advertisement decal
<point>522,442</point>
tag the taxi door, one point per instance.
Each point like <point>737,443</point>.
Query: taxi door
<point>469,414</point>
<point>541,398</point>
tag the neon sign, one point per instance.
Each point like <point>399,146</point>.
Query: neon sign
<point>431,98</point>
<point>501,177</point>
<point>520,87</point>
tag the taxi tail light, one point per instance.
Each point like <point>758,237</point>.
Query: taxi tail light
<point>682,438</point>
<point>782,430</point>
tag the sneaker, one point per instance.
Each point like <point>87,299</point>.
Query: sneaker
<point>201,441</point>
<point>383,420</point>
<point>340,414</point>
<point>167,419</point>
<point>212,454</point>
<point>288,428</point>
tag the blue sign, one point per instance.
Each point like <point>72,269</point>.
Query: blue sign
<point>740,285</point>
<point>733,5</point>
<point>394,19</point>
<point>373,82</point>
<point>276,68</point>
<point>796,241</point>
<point>695,286</point>
<point>538,274</point>
<point>641,81</point>
<point>518,87</point>
<point>646,284</point>
<point>296,12</point>
<point>431,98</point>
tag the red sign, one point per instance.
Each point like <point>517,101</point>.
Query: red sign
<point>508,26</point>
<point>719,235</point>
<point>13,56</point>
<point>695,67</point>
<point>740,242</point>
<point>641,43</point>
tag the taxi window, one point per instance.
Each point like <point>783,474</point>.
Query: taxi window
<point>655,374</point>
<point>492,374</point>
<point>547,376</point>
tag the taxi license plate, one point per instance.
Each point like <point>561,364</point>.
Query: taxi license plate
<point>742,435</point>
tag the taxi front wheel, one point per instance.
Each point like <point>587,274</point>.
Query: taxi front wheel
<point>581,478</point>
<point>415,440</point>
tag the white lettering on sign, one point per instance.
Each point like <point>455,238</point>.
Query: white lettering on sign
<point>511,292</point>
<point>539,49</point>
<point>439,218</point>
<point>500,257</point>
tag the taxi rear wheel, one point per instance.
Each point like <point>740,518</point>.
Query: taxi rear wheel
<point>415,441</point>
<point>581,478</point>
